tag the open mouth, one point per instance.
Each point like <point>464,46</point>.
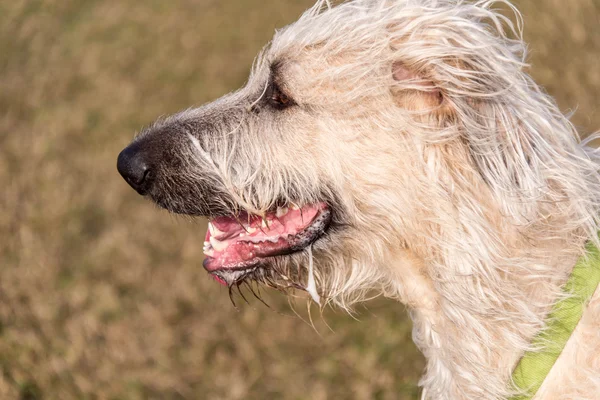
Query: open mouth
<point>238,244</point>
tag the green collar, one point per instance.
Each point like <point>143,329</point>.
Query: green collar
<point>561,322</point>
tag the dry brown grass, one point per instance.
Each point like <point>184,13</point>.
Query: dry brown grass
<point>101,295</point>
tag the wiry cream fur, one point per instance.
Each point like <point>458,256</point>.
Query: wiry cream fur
<point>461,189</point>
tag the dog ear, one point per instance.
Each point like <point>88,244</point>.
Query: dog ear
<point>413,91</point>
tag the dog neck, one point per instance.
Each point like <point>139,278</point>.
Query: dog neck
<point>473,322</point>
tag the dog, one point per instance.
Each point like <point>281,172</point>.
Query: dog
<point>397,147</point>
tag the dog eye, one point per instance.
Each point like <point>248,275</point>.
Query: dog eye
<point>277,99</point>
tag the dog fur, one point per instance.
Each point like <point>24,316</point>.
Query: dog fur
<point>457,185</point>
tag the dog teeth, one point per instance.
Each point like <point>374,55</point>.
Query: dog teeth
<point>295,207</point>
<point>281,211</point>
<point>218,245</point>
<point>214,231</point>
<point>251,230</point>
<point>263,223</point>
<point>260,239</point>
<point>208,249</point>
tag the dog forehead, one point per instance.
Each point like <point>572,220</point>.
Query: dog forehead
<point>332,29</point>
<point>345,42</point>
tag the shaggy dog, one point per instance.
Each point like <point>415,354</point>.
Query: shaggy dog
<point>397,147</point>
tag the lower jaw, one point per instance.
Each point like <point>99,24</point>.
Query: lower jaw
<point>257,269</point>
<point>243,266</point>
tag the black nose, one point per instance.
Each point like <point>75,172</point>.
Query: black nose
<point>135,168</point>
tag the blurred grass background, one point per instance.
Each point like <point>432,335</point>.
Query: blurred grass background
<point>102,296</point>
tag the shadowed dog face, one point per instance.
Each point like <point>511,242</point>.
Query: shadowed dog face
<point>252,163</point>
<point>233,162</point>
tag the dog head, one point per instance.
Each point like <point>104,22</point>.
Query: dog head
<point>363,129</point>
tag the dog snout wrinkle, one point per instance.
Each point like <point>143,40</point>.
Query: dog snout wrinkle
<point>135,168</point>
